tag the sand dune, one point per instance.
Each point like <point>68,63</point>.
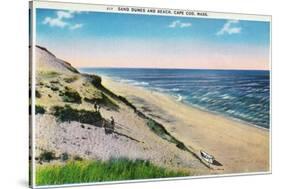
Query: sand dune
<point>58,86</point>
<point>46,61</point>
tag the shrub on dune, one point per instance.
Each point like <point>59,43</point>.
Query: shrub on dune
<point>67,113</point>
<point>47,156</point>
<point>39,109</point>
<point>71,95</point>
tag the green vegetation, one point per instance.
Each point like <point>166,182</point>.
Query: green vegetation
<point>159,130</point>
<point>49,74</point>
<point>71,95</point>
<point>155,127</point>
<point>55,82</point>
<point>97,171</point>
<point>70,68</point>
<point>37,94</point>
<point>124,100</point>
<point>104,100</point>
<point>70,79</point>
<point>94,79</point>
<point>47,156</point>
<point>54,88</point>
<point>39,109</point>
<point>116,97</point>
<point>67,113</point>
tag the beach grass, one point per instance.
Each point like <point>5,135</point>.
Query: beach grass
<point>49,74</point>
<point>70,79</point>
<point>86,171</point>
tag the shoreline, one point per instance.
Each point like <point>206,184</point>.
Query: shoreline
<point>226,116</point>
<point>170,95</point>
<point>202,134</point>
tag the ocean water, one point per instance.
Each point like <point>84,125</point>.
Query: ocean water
<point>242,95</point>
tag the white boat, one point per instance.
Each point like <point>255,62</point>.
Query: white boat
<point>207,157</point>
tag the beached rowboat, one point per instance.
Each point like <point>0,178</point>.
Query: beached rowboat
<point>207,157</point>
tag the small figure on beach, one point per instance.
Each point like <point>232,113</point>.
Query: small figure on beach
<point>96,106</point>
<point>103,123</point>
<point>112,123</point>
<point>108,128</point>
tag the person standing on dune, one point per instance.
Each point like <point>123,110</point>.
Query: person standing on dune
<point>112,123</point>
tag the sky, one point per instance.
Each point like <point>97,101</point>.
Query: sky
<point>96,39</point>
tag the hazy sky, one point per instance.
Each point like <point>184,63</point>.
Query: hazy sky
<point>92,39</point>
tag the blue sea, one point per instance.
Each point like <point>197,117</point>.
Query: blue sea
<point>242,95</point>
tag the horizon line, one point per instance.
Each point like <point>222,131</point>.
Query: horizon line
<point>220,69</point>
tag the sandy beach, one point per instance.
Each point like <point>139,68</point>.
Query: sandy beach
<point>238,147</point>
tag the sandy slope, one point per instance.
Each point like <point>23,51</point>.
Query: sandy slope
<point>237,146</point>
<point>45,60</point>
<point>91,142</point>
<point>132,138</point>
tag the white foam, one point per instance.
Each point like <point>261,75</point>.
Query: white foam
<point>175,89</point>
<point>226,96</point>
<point>180,98</point>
